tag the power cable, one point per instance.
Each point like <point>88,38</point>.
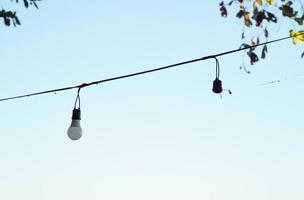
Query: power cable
<point>83,85</point>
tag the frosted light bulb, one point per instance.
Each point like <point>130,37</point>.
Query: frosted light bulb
<point>75,131</point>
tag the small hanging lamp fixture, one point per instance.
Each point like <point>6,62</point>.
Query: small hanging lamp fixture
<point>217,87</point>
<point>75,130</point>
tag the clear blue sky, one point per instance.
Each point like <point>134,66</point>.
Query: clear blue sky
<point>160,136</point>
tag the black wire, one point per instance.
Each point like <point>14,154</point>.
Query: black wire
<point>77,99</point>
<point>217,68</point>
<point>146,71</point>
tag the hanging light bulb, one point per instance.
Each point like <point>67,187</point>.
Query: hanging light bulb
<point>75,130</point>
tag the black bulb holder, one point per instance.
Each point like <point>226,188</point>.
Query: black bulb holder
<point>217,86</point>
<point>76,114</point>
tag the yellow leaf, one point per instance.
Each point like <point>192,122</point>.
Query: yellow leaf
<point>241,5</point>
<point>297,37</point>
<point>260,2</point>
<point>254,6</point>
<point>247,19</point>
<point>270,2</point>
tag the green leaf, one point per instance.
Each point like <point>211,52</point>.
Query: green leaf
<point>7,21</point>
<point>270,2</point>
<point>264,51</point>
<point>240,14</point>
<point>260,2</point>
<point>26,4</point>
<point>271,17</point>
<point>299,20</point>
<point>35,4</point>
<point>244,45</point>
<point>253,57</point>
<point>266,33</point>
<point>17,20</point>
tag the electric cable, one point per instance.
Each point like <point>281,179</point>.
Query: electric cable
<point>83,85</point>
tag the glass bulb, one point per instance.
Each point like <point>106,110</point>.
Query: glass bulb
<point>75,131</point>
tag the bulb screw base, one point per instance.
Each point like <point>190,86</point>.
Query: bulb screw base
<point>76,114</point>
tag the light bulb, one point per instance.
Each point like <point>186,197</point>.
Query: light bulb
<point>75,131</point>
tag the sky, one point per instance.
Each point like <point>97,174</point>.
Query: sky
<point>157,136</point>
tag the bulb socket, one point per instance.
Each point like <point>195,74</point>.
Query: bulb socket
<point>217,86</point>
<point>76,114</point>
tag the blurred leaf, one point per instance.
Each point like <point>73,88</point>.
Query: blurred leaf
<point>271,17</point>
<point>264,52</point>
<point>253,57</point>
<point>244,45</point>
<point>240,14</point>
<point>259,17</point>
<point>299,20</point>
<point>35,4</point>
<point>17,20</point>
<point>26,4</point>
<point>260,2</point>
<point>270,2</point>
<point>297,37</point>
<point>266,33</point>
<point>223,9</point>
<point>247,21</point>
<point>243,35</point>
<point>287,11</point>
<point>7,21</point>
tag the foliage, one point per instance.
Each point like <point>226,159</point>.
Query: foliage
<point>10,17</point>
<point>258,15</point>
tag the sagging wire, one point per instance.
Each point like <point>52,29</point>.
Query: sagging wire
<point>148,71</point>
<point>75,130</point>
